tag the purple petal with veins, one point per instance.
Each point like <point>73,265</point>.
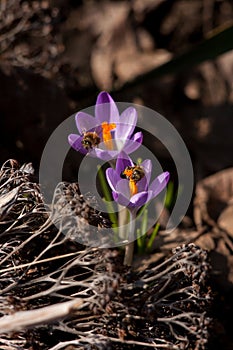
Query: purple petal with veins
<point>143,184</point>
<point>128,120</point>
<point>112,178</point>
<point>134,143</point>
<point>122,186</point>
<point>139,199</point>
<point>159,183</point>
<point>75,141</point>
<point>119,198</point>
<point>85,122</point>
<point>106,109</point>
<point>103,154</point>
<point>123,160</point>
<point>147,166</point>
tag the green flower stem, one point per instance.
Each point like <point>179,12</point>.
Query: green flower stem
<point>129,248</point>
<point>107,196</point>
<point>142,236</point>
<point>123,218</point>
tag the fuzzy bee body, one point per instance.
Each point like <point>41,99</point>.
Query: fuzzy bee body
<point>133,173</point>
<point>90,140</point>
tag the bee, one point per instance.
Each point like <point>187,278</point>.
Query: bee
<point>133,173</point>
<point>90,139</point>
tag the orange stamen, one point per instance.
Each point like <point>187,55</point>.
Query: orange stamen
<point>107,137</point>
<point>133,187</point>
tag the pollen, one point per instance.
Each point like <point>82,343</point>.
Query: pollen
<point>128,172</point>
<point>107,136</point>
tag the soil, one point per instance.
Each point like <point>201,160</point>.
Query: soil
<point>61,54</point>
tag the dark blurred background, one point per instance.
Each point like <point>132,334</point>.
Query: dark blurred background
<point>55,56</point>
<point>174,56</point>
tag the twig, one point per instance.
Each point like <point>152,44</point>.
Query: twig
<point>30,318</point>
<point>13,268</point>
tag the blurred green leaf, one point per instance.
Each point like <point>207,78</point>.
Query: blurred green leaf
<point>219,42</point>
<point>141,234</point>
<point>170,195</point>
<point>152,237</point>
<point>107,196</point>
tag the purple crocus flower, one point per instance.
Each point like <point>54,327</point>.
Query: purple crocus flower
<point>106,134</point>
<point>131,193</point>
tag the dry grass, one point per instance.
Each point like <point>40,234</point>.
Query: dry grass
<point>58,294</point>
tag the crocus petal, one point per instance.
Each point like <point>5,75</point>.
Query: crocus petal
<point>122,162</point>
<point>122,193</point>
<point>75,141</point>
<point>128,120</point>
<point>106,109</point>
<point>139,199</point>
<point>143,184</point>
<point>134,143</point>
<point>120,199</point>
<point>159,183</point>
<point>123,188</point>
<point>85,122</point>
<point>112,178</point>
<point>147,166</point>
<point>103,154</point>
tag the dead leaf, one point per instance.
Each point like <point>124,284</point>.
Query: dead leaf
<point>206,241</point>
<point>225,220</point>
<point>212,196</point>
<point>117,58</point>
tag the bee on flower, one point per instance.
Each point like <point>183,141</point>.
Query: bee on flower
<point>131,185</point>
<point>108,133</point>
